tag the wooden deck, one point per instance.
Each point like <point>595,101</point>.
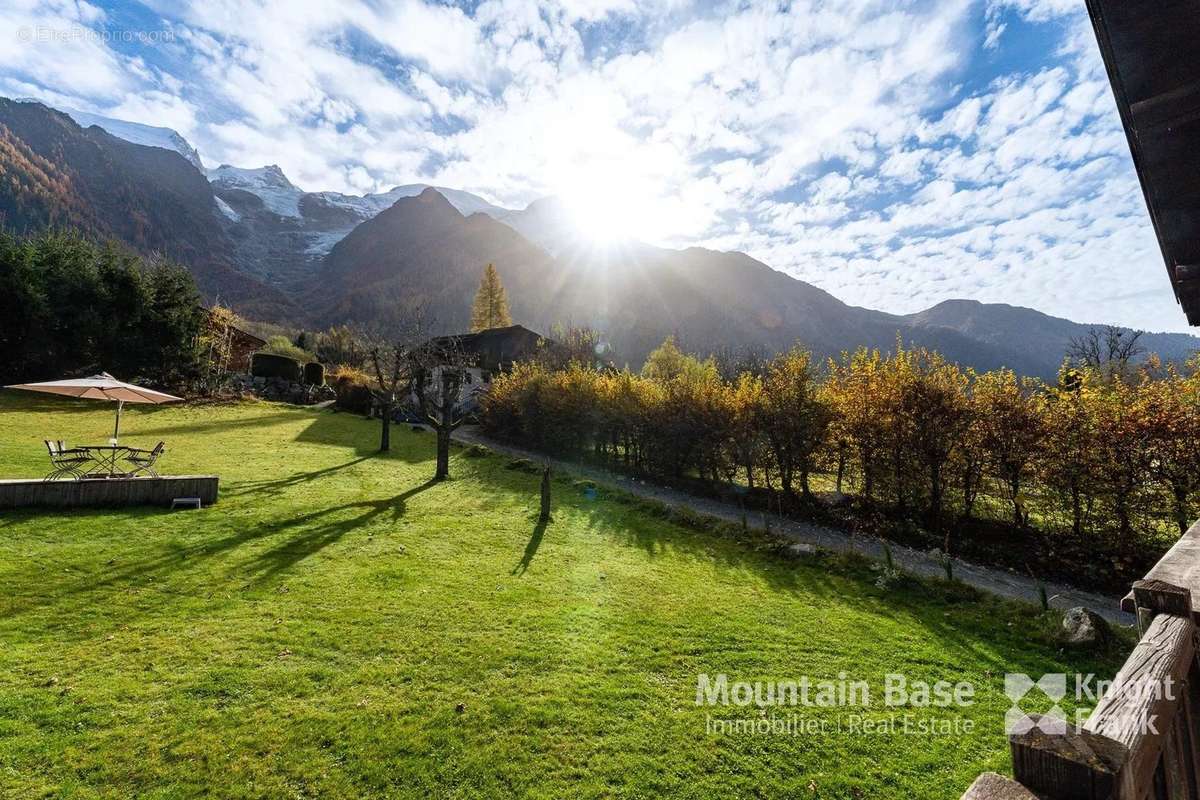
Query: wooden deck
<point>142,491</point>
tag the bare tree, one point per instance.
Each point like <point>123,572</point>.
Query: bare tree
<point>391,356</point>
<point>1108,349</point>
<point>440,370</point>
<point>390,364</point>
<point>574,344</point>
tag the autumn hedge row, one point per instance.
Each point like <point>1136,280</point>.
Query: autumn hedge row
<point>1097,454</point>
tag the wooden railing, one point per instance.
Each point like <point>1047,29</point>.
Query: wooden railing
<point>1143,738</point>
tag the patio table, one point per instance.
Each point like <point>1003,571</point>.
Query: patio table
<point>105,458</point>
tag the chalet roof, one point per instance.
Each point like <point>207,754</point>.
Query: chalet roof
<point>495,348</point>
<point>244,336</point>
<point>1149,51</point>
<point>248,337</point>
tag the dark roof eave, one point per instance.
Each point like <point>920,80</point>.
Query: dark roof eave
<point>1146,47</point>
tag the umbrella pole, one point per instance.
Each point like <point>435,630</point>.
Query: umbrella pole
<point>116,430</point>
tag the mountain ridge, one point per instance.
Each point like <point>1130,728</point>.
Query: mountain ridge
<point>709,299</point>
<point>59,174</point>
<point>138,133</point>
<point>328,264</point>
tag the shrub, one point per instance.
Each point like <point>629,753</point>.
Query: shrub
<point>888,577</point>
<point>352,388</point>
<point>269,365</point>
<point>344,372</point>
<point>932,452</point>
<point>281,346</point>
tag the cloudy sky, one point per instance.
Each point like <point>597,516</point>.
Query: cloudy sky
<point>894,153</point>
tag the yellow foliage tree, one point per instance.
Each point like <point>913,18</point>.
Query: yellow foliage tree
<point>491,303</point>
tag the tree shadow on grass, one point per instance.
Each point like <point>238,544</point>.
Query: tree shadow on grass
<point>311,540</point>
<point>214,426</point>
<point>531,548</point>
<point>969,626</point>
<point>345,429</point>
<point>280,485</point>
<point>305,543</point>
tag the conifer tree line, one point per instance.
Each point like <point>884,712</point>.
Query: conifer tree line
<point>1103,462</point>
<point>70,307</point>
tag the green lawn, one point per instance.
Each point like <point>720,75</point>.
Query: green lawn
<point>339,627</point>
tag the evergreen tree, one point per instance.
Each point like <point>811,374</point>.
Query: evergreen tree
<point>491,305</point>
<point>69,306</point>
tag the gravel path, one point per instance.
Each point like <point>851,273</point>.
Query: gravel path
<point>999,582</point>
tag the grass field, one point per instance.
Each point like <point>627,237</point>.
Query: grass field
<point>336,626</point>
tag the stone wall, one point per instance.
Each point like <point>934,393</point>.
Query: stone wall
<point>280,389</point>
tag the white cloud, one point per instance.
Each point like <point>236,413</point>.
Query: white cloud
<point>1039,10</point>
<point>54,45</point>
<point>870,147</point>
<point>442,38</point>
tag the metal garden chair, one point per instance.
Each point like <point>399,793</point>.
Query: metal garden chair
<point>144,460</point>
<point>67,462</point>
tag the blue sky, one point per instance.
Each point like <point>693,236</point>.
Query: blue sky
<point>894,153</point>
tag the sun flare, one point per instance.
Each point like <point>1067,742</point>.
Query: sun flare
<point>601,215</point>
<point>610,201</point>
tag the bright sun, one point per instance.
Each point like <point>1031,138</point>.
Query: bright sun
<point>602,215</point>
<point>608,205</point>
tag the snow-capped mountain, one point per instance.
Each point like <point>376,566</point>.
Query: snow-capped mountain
<point>135,132</point>
<point>280,196</point>
<point>279,232</point>
<point>268,184</point>
<point>282,232</point>
<point>368,205</point>
<point>302,268</point>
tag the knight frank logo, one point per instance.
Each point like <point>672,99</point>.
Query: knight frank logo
<point>1145,695</point>
<point>1029,696</point>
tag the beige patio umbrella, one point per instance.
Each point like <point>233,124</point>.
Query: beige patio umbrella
<point>100,387</point>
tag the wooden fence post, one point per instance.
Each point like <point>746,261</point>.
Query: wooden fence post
<point>1072,765</point>
<point>544,511</point>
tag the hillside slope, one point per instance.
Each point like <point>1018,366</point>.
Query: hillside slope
<point>422,251</point>
<point>1040,336</point>
<point>56,173</point>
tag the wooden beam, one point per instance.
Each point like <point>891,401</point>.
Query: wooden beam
<point>1160,597</point>
<point>1180,568</point>
<point>1167,108</point>
<point>1138,711</point>
<point>1118,751</point>
<point>1143,738</point>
